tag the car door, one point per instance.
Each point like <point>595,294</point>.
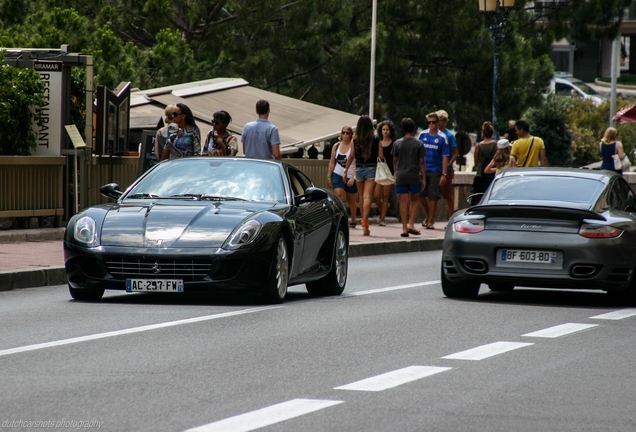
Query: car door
<point>313,220</point>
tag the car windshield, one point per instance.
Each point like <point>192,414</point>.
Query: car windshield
<point>545,188</point>
<point>213,178</point>
<point>584,87</point>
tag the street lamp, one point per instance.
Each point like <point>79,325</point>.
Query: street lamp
<point>496,12</point>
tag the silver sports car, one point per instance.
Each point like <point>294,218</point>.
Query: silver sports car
<point>546,228</point>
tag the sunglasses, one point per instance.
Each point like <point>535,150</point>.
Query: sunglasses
<point>432,121</point>
<point>345,133</point>
<point>176,114</point>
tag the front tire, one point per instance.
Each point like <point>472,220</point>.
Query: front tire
<point>276,287</point>
<point>467,290</point>
<point>334,282</point>
<point>92,294</point>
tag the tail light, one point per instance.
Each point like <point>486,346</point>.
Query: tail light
<point>599,231</point>
<point>469,226</point>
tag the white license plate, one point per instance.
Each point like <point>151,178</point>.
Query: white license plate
<point>528,256</point>
<point>154,285</point>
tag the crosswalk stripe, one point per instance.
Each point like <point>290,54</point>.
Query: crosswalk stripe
<point>616,315</point>
<point>560,330</point>
<point>266,416</point>
<point>393,379</point>
<point>485,351</point>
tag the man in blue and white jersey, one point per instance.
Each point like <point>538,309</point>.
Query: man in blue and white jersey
<point>437,157</point>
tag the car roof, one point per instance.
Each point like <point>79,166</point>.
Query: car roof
<point>600,175</point>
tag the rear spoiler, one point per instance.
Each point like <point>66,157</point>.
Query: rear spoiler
<point>534,212</point>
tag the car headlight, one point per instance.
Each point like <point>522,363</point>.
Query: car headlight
<point>243,235</point>
<point>85,231</point>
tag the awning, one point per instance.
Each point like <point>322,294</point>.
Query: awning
<point>626,115</point>
<point>300,124</point>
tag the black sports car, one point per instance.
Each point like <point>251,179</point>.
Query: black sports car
<point>219,224</point>
<point>546,228</point>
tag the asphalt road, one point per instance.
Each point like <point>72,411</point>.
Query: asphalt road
<point>391,354</point>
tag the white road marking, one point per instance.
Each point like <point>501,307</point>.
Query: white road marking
<point>560,330</point>
<point>394,288</point>
<point>132,330</point>
<point>616,315</point>
<point>486,351</point>
<point>393,379</point>
<point>266,416</point>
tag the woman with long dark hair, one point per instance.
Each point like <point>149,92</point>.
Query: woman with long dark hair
<point>484,152</point>
<point>184,137</point>
<point>387,136</point>
<point>367,150</point>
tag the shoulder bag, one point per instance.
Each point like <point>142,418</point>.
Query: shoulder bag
<point>620,164</point>
<point>383,174</point>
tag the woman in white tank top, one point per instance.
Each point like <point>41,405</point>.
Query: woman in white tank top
<point>344,184</point>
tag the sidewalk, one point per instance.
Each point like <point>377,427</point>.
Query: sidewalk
<point>35,257</point>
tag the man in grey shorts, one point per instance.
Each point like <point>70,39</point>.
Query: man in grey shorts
<point>437,156</point>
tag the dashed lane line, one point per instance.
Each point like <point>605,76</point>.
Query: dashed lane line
<point>267,416</point>
<point>560,330</point>
<point>616,315</point>
<point>132,330</point>
<point>485,351</point>
<point>393,288</point>
<point>393,379</point>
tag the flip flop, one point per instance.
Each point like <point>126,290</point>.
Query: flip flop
<point>382,223</point>
<point>404,234</point>
<point>352,224</point>
<point>413,231</point>
<point>424,224</point>
<point>430,227</point>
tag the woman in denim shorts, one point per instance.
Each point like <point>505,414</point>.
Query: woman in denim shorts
<point>367,150</point>
<point>342,153</point>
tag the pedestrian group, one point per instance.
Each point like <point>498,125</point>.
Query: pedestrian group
<point>422,167</point>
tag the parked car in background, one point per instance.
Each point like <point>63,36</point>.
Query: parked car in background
<point>564,84</point>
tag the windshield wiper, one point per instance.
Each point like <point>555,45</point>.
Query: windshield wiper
<point>143,196</point>
<point>221,198</point>
<point>187,196</point>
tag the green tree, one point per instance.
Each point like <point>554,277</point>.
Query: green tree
<point>20,91</point>
<point>549,123</point>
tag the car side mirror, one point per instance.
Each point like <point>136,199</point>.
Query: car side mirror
<point>111,190</point>
<point>474,198</point>
<point>311,194</point>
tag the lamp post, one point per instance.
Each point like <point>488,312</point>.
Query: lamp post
<point>496,12</point>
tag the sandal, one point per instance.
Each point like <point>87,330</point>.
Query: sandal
<point>413,231</point>
<point>352,224</point>
<point>382,223</point>
<point>404,234</point>
<point>424,224</point>
<point>432,226</point>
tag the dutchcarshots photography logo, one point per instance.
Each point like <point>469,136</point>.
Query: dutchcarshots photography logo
<point>53,424</point>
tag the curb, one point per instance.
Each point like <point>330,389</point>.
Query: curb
<point>393,247</point>
<point>27,278</point>
<point>48,276</point>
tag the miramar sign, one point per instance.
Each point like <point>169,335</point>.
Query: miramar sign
<point>49,133</point>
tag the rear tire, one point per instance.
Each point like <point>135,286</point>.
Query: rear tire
<point>276,287</point>
<point>92,294</point>
<point>467,290</point>
<point>334,282</point>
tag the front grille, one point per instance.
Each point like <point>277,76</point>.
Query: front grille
<point>131,268</point>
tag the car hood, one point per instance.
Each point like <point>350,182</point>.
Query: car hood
<point>187,225</point>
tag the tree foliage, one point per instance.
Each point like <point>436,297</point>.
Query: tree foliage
<point>430,54</point>
<point>549,123</point>
<point>20,90</point>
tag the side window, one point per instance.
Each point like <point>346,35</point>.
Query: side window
<point>562,89</point>
<point>628,196</point>
<point>296,183</point>
<point>616,199</point>
<point>305,180</point>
